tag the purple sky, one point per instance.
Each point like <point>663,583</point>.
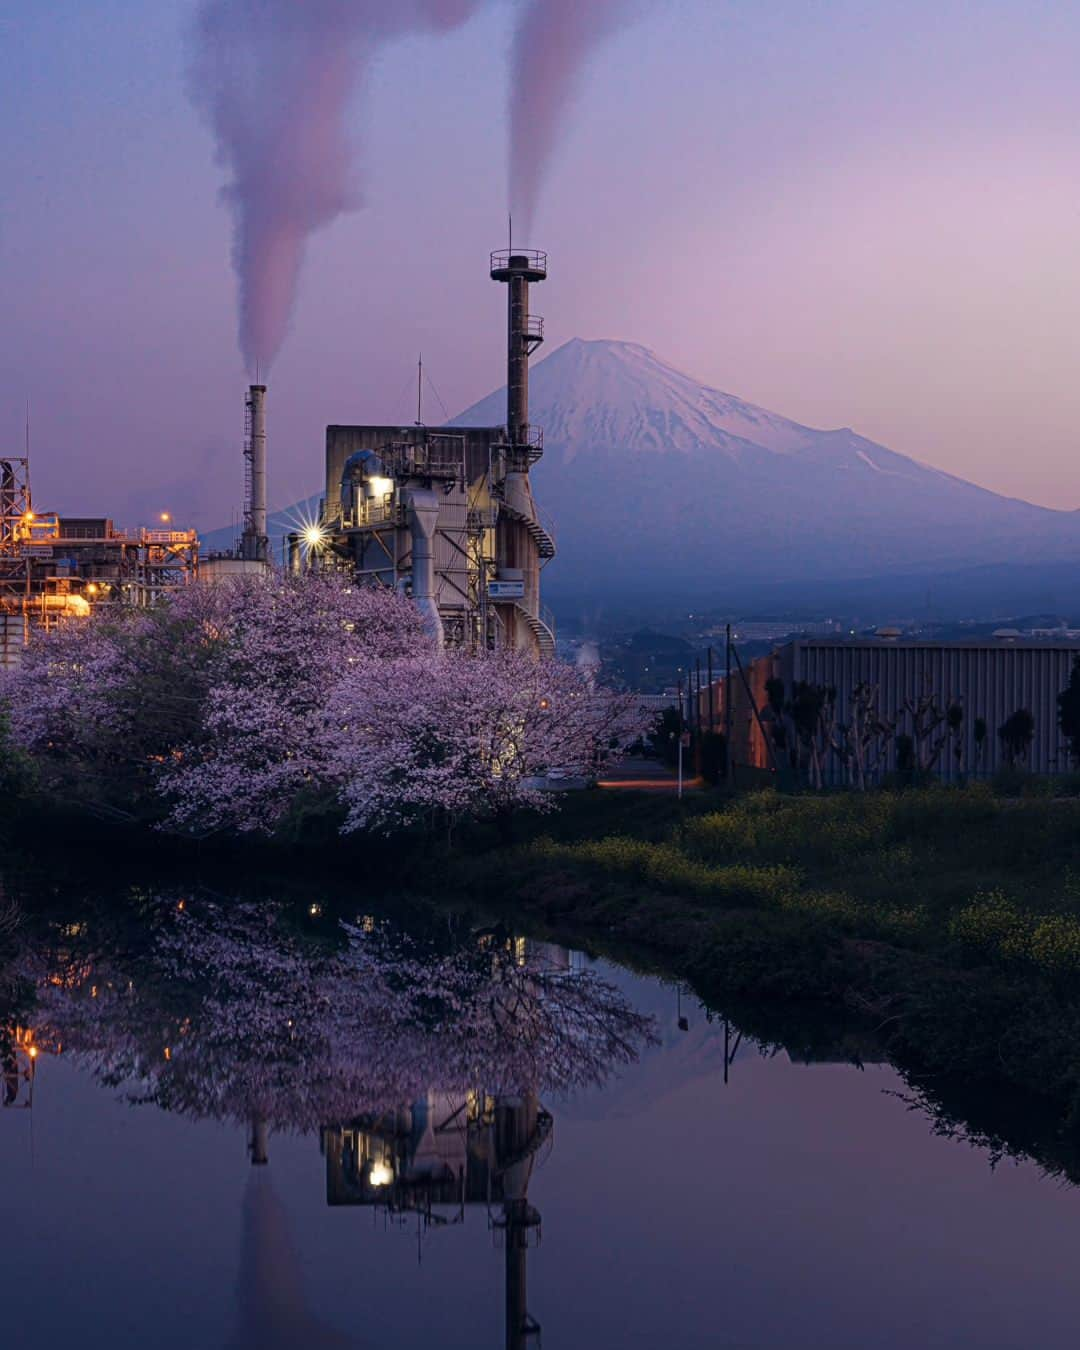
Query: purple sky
<point>854,214</point>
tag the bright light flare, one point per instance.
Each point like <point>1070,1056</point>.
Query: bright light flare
<point>381,1174</point>
<point>309,530</point>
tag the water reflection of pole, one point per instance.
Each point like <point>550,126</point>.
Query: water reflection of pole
<point>730,1051</point>
<point>259,1143</point>
<point>520,1131</point>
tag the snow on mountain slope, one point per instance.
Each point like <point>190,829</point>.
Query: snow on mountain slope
<point>658,484</point>
<point>620,395</point>
<point>643,464</point>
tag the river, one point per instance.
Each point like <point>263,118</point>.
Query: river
<point>229,1124</point>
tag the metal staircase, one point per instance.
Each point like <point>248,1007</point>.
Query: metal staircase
<point>544,632</point>
<point>541,537</point>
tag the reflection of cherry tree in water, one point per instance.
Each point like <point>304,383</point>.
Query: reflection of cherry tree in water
<point>422,1067</point>
<point>232,1015</point>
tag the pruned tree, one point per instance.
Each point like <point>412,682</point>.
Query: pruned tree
<point>862,742</point>
<point>933,726</point>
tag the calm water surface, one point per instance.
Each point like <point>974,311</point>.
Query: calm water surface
<point>258,1127</point>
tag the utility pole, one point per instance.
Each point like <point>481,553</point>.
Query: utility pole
<point>712,698</point>
<point>729,763</point>
<point>681,734</point>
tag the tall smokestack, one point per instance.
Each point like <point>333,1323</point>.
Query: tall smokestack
<point>255,545</point>
<point>524,334</point>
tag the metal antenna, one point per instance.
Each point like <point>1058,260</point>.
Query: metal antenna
<point>419,390</point>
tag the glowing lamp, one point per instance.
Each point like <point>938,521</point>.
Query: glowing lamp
<point>381,1174</point>
<point>314,536</point>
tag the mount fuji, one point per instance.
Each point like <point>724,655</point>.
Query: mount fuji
<point>662,490</point>
<point>655,483</point>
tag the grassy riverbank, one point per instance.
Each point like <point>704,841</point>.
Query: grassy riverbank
<point>949,917</point>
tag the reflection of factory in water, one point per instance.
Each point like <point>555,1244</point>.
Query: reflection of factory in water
<point>446,1153</point>
<point>437,1157</point>
<point>437,1160</point>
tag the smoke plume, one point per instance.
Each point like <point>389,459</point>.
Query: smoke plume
<point>274,79</point>
<point>552,42</point>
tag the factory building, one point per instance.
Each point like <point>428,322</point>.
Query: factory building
<point>447,515</point>
<point>910,685</point>
<point>58,567</point>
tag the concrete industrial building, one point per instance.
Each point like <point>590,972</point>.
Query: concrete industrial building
<point>988,679</point>
<point>447,515</point>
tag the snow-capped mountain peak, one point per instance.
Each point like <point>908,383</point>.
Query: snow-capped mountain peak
<point>706,485</point>
<point>621,394</point>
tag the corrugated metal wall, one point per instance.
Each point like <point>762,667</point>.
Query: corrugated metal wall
<point>990,682</point>
<point>451,554</point>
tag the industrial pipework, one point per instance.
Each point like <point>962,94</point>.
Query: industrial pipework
<point>525,332</point>
<point>254,543</point>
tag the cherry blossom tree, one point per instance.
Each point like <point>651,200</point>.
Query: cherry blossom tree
<point>469,736</point>
<point>229,706</point>
<point>264,734</point>
<point>100,704</point>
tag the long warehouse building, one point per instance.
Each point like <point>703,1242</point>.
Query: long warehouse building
<point>988,680</point>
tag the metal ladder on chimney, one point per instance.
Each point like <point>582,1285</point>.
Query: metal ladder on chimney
<point>249,462</point>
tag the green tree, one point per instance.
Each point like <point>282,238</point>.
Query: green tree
<point>980,729</point>
<point>1016,734</point>
<point>664,736</point>
<point>1068,702</point>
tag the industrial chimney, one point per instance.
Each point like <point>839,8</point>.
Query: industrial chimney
<point>254,543</point>
<point>517,268</point>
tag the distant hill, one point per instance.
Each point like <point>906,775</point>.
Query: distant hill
<point>662,490</point>
<point>658,484</point>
